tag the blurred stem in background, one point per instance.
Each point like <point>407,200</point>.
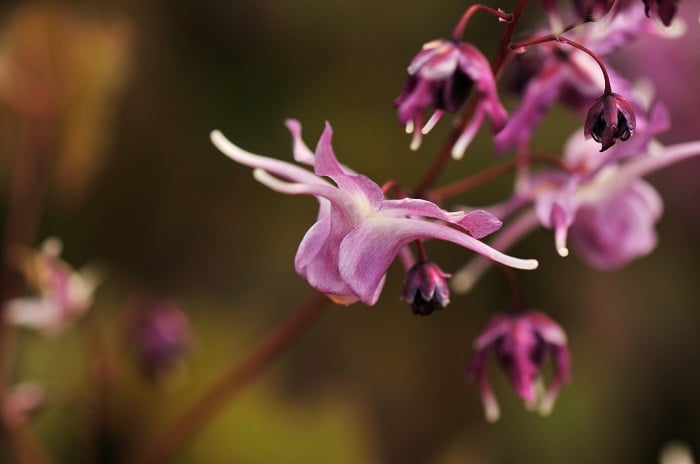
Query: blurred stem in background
<point>232,382</point>
<point>25,207</point>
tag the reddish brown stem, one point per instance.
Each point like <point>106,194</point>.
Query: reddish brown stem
<point>459,29</point>
<point>233,381</point>
<point>468,183</point>
<point>26,201</point>
<point>560,39</point>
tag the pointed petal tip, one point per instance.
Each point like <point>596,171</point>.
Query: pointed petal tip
<point>528,264</point>
<point>458,151</point>
<point>223,144</point>
<point>546,405</point>
<point>491,411</point>
<point>292,124</point>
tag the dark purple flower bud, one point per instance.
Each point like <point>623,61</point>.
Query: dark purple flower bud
<point>592,10</point>
<point>610,118</point>
<point>665,9</point>
<point>441,76</point>
<point>160,334</point>
<point>425,288</point>
<point>521,343</point>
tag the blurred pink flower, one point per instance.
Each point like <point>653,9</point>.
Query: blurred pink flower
<point>64,294</point>
<point>521,342</point>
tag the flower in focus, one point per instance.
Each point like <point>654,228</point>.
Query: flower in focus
<point>358,232</point>
<point>161,336</point>
<point>425,288</point>
<point>610,118</point>
<point>64,294</point>
<point>521,343</point>
<point>441,76</point>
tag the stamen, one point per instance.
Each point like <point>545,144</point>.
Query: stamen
<point>409,126</point>
<point>432,121</point>
<point>416,141</point>
<point>491,410</point>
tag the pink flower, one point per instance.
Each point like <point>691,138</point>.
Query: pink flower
<point>441,76</point>
<point>521,342</point>
<point>64,294</point>
<point>358,232</point>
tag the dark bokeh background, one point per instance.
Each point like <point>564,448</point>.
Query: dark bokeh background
<point>137,188</point>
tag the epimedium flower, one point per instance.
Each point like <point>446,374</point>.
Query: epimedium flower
<point>611,117</point>
<point>358,232</point>
<point>601,201</point>
<point>441,76</point>
<point>521,343</point>
<point>64,294</point>
<point>425,288</point>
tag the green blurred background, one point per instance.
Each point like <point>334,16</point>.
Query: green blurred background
<point>136,187</point>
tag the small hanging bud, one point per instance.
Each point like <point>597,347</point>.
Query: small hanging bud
<point>160,335</point>
<point>425,288</point>
<point>611,117</point>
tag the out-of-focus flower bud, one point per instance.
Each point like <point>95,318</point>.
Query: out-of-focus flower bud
<point>521,342</point>
<point>160,334</point>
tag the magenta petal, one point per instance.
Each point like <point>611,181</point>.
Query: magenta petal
<point>368,250</point>
<point>302,153</point>
<point>480,223</point>
<point>326,164</point>
<point>317,257</point>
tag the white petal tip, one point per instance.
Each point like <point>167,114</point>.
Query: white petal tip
<point>462,283</point>
<point>458,152</point>
<point>409,127</point>
<point>529,264</point>
<point>546,407</point>
<point>492,413</point>
<point>563,252</point>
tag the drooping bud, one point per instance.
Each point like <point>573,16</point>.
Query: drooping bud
<point>611,117</point>
<point>160,335</point>
<point>425,288</point>
<point>521,342</point>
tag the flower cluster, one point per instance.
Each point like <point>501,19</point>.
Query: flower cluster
<point>592,195</point>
